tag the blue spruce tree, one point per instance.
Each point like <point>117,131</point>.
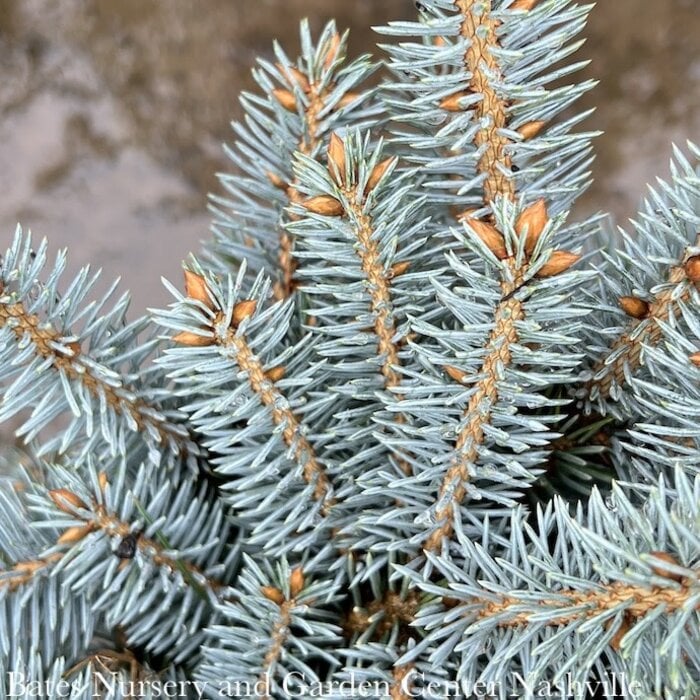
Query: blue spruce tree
<point>407,429</point>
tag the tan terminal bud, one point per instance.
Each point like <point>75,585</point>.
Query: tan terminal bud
<point>490,237</point>
<point>692,268</point>
<point>67,501</point>
<point>531,129</point>
<point>634,307</point>
<point>531,223</point>
<point>325,205</point>
<point>526,5</point>
<point>296,582</point>
<point>275,374</point>
<point>196,288</point>
<point>272,593</point>
<point>333,49</point>
<point>286,99</point>
<point>695,359</point>
<point>399,268</point>
<point>102,481</point>
<point>378,173</point>
<point>75,534</point>
<point>242,310</point>
<point>193,340</point>
<point>622,630</point>
<point>452,102</point>
<point>336,156</point>
<point>560,261</point>
<point>296,76</point>
<point>669,559</point>
<point>457,374</point>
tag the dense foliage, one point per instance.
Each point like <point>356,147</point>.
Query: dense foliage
<point>409,430</point>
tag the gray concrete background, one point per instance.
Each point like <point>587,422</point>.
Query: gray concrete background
<point>112,112</point>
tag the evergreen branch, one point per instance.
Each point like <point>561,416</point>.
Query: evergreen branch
<point>282,415</point>
<point>616,579</point>
<point>402,689</point>
<point>242,363</point>
<point>121,399</point>
<point>23,572</point>
<point>498,356</point>
<point>378,279</point>
<point>354,192</point>
<point>383,614</point>
<point>320,92</point>
<point>121,565</point>
<point>112,662</point>
<point>90,378</point>
<point>97,518</point>
<point>479,30</point>
<point>278,637</point>
<point>317,93</point>
<point>624,357</point>
<point>189,571</point>
<point>636,601</point>
<point>276,624</point>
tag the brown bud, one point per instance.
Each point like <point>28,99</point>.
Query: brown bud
<point>336,156</point>
<point>296,582</point>
<point>277,181</point>
<point>348,98</point>
<point>450,602</point>
<point>333,49</point>
<point>272,593</point>
<point>695,359</point>
<point>102,481</point>
<point>378,173</point>
<point>74,347</point>
<point>622,630</point>
<point>451,103</point>
<point>439,41</point>
<point>526,5</point>
<point>75,534</point>
<point>399,268</point>
<point>669,559</point>
<point>490,237</point>
<point>560,261</point>
<point>296,75</point>
<point>531,222</point>
<point>194,340</point>
<point>325,205</point>
<point>242,310</point>
<point>531,129</point>
<point>196,288</point>
<point>457,374</point>
<point>285,98</point>
<point>67,501</point>
<point>634,306</point>
<point>692,268</point>
<point>275,374</point>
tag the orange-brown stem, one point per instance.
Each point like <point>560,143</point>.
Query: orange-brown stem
<point>282,415</point>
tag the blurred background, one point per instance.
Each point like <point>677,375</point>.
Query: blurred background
<point>112,112</point>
